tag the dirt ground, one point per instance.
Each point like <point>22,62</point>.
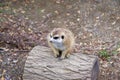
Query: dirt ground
<point>95,23</point>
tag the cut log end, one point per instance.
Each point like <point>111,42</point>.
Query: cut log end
<point>95,70</point>
<point>42,65</point>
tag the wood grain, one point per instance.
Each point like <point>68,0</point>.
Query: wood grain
<point>42,65</point>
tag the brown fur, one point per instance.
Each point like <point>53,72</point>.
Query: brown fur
<point>68,41</point>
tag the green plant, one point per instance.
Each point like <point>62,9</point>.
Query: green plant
<point>114,52</point>
<point>2,11</point>
<point>2,4</point>
<point>104,54</point>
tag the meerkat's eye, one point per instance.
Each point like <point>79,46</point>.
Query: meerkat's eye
<point>55,37</point>
<point>62,37</point>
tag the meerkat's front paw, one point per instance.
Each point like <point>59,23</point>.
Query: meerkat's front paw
<point>62,57</point>
<point>56,54</point>
<point>67,56</point>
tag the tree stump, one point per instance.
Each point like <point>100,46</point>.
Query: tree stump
<point>42,65</point>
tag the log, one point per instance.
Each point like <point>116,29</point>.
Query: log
<point>42,65</point>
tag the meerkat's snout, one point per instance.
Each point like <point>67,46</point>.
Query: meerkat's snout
<point>61,42</point>
<point>51,40</point>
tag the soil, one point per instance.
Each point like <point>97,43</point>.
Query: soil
<point>95,23</point>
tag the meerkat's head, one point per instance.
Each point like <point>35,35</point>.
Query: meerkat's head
<point>57,36</point>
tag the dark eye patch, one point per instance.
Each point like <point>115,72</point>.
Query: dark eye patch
<point>62,37</point>
<point>55,37</point>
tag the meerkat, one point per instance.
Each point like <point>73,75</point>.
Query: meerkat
<point>61,41</point>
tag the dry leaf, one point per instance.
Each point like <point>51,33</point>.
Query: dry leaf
<point>2,78</point>
<point>118,49</point>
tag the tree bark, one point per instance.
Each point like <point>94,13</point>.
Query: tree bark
<point>42,65</point>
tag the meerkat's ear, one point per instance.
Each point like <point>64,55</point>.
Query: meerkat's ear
<point>50,35</point>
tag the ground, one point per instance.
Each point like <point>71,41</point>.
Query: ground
<point>95,24</point>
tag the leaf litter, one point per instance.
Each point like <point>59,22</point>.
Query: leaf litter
<point>95,24</point>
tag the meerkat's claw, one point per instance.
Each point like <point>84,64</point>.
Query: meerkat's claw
<point>62,58</point>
